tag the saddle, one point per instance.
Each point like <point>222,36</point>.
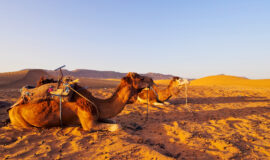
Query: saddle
<point>48,91</point>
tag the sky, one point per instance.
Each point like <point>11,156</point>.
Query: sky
<point>188,38</point>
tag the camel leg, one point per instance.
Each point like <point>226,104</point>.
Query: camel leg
<point>89,123</point>
<point>86,119</point>
<point>17,120</point>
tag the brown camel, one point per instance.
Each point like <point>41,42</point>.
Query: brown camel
<point>157,96</point>
<point>79,110</point>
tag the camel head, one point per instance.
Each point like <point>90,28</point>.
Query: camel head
<point>138,82</point>
<point>176,81</point>
<point>176,84</point>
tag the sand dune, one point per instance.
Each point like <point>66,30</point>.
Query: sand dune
<point>221,121</point>
<point>21,78</point>
<point>224,80</point>
<point>9,77</point>
<point>162,82</point>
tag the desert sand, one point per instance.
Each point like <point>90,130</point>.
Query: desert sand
<point>226,118</point>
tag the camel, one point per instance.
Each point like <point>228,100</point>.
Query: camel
<point>157,96</point>
<point>79,111</point>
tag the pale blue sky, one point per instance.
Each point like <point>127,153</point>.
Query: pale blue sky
<point>189,38</point>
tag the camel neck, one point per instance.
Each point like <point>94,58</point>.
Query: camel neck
<point>112,106</point>
<point>165,94</point>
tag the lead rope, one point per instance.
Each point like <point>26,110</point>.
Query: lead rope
<point>186,94</point>
<point>147,103</point>
<point>87,100</point>
<point>188,107</point>
<point>155,92</point>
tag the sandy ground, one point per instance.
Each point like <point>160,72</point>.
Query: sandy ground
<point>220,122</point>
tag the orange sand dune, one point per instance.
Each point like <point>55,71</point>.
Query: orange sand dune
<point>162,81</point>
<point>21,78</point>
<point>113,79</point>
<point>9,77</point>
<point>224,80</point>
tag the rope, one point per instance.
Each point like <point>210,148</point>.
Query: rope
<point>154,92</point>
<point>87,100</point>
<point>188,107</point>
<point>186,94</point>
<point>147,104</point>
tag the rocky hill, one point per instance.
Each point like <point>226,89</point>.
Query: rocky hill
<point>105,74</point>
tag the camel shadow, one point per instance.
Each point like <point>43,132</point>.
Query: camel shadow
<point>153,134</point>
<point>217,100</point>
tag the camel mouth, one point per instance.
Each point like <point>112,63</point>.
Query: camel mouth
<point>146,82</point>
<point>138,82</point>
<point>183,82</point>
<point>140,89</point>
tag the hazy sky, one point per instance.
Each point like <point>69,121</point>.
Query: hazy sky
<point>189,38</point>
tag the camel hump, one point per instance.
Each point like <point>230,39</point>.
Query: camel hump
<point>38,94</point>
<point>46,92</point>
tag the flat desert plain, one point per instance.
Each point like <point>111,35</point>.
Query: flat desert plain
<point>226,118</point>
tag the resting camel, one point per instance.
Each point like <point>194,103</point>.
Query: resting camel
<point>79,110</point>
<point>157,96</point>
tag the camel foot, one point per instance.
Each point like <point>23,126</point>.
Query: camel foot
<point>114,127</point>
<point>107,126</point>
<point>167,103</point>
<point>158,104</point>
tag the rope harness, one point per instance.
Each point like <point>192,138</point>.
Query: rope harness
<point>68,86</point>
<point>186,100</point>
<point>87,100</point>
<point>62,92</point>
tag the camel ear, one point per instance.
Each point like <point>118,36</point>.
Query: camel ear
<point>131,75</point>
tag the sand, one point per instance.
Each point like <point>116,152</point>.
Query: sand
<point>221,121</point>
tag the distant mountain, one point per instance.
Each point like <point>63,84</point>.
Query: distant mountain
<point>104,74</point>
<point>18,79</point>
<point>158,76</point>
